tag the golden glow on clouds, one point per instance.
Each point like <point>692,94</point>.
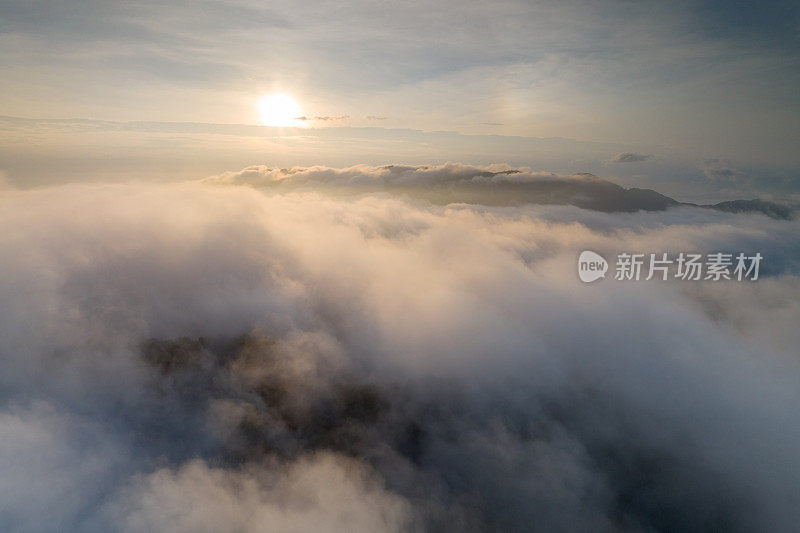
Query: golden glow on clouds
<point>280,109</point>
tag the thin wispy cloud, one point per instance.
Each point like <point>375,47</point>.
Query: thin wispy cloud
<point>340,118</point>
<point>721,170</point>
<point>629,157</point>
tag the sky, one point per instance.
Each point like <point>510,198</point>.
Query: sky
<point>692,84</point>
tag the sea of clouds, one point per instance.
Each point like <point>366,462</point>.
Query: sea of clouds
<point>224,356</point>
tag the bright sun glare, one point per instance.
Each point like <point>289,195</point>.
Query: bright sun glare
<point>279,109</point>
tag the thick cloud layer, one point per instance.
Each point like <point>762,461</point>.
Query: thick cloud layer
<point>496,185</point>
<point>454,182</point>
<point>197,358</point>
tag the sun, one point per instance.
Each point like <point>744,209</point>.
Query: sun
<point>279,109</point>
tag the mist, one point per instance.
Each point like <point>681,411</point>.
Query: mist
<point>218,356</point>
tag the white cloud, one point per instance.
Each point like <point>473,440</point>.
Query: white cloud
<point>721,170</point>
<point>322,492</point>
<point>219,357</point>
